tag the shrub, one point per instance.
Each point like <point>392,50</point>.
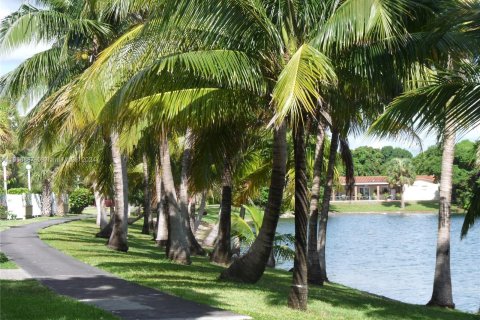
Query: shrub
<point>3,213</point>
<point>79,199</point>
<point>18,191</point>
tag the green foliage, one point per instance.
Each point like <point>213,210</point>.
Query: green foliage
<point>3,213</point>
<point>429,162</point>
<point>18,191</point>
<point>368,161</point>
<point>390,152</point>
<point>283,243</point>
<point>400,172</point>
<point>5,263</point>
<point>79,199</point>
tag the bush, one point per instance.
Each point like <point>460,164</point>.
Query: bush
<point>18,191</point>
<point>80,199</point>
<point>3,213</point>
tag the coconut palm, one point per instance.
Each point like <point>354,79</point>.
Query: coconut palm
<point>441,96</point>
<point>400,172</point>
<point>473,211</point>
<point>282,36</point>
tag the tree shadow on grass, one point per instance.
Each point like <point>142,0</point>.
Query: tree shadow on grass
<point>372,305</point>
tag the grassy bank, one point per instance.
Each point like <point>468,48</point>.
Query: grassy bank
<point>28,299</point>
<point>5,263</point>
<point>387,206</point>
<point>146,265</point>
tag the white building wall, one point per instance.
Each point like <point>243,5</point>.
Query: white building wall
<point>422,191</point>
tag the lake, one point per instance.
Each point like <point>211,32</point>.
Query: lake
<point>393,255</point>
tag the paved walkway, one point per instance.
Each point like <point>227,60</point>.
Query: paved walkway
<point>75,279</point>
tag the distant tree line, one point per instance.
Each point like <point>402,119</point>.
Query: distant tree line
<point>369,161</point>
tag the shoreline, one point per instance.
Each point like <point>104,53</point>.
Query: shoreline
<point>337,213</point>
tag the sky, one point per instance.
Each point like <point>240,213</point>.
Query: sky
<point>11,60</point>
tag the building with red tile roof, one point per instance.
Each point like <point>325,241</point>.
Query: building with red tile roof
<point>377,188</point>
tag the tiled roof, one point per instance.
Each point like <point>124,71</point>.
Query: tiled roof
<point>383,179</point>
<point>367,179</point>
<point>426,178</point>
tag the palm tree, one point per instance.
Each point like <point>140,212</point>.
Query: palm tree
<point>473,211</point>
<point>178,248</point>
<point>147,197</point>
<point>441,95</point>
<point>222,251</point>
<point>400,172</point>
<point>286,32</point>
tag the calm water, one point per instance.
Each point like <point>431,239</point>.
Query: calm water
<point>394,255</point>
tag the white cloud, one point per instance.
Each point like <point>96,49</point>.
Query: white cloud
<point>10,60</point>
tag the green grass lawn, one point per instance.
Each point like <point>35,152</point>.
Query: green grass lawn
<point>28,300</point>
<point>5,263</point>
<point>386,206</point>
<point>146,265</point>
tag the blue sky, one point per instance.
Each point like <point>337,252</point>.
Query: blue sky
<point>11,60</point>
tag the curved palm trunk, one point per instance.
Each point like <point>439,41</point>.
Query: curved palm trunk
<point>100,205</point>
<point>147,211</point>
<point>195,247</point>
<point>442,284</point>
<point>201,210</point>
<point>161,236</point>
<point>313,257</point>
<point>222,252</point>
<point>250,267</point>
<point>327,194</point>
<point>177,248</point>
<point>402,199</point>
<point>118,237</point>
<point>46,198</point>
<point>60,204</point>
<point>298,297</point>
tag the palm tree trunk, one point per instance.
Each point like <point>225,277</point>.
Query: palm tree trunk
<point>195,247</point>
<point>442,283</point>
<point>60,204</point>
<point>250,267</point>
<point>161,228</point>
<point>118,237</point>
<point>201,210</point>
<point>313,258</point>
<point>46,198</point>
<point>298,297</point>
<point>222,252</point>
<point>177,248</point>
<point>100,205</point>
<point>327,193</point>
<point>147,211</point>
<point>192,209</point>
<point>402,199</point>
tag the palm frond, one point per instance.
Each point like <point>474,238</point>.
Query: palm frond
<point>298,87</point>
<point>473,211</point>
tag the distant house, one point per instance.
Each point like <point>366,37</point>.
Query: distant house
<point>377,188</point>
